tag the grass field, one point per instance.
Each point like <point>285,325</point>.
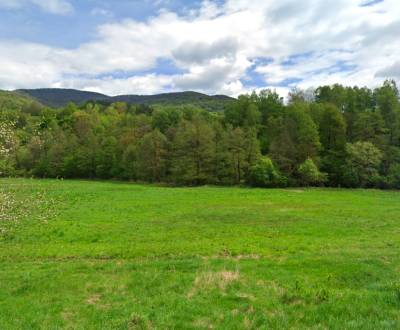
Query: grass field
<point>104,255</point>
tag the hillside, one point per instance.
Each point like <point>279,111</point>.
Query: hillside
<point>60,97</point>
<point>11,101</point>
<point>55,97</point>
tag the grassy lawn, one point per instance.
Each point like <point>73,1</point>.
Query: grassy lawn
<point>104,255</point>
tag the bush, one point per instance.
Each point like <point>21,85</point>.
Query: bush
<point>310,174</point>
<point>264,174</point>
<point>363,162</point>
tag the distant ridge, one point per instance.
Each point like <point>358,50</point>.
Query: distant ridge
<point>56,97</point>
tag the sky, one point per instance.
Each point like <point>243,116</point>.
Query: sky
<point>216,47</point>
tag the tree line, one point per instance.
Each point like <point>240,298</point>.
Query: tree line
<point>335,136</point>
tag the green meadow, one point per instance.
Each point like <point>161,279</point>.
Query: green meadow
<point>108,255</point>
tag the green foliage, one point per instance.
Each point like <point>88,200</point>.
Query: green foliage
<point>332,131</point>
<point>394,176</point>
<point>363,161</point>
<point>264,174</point>
<point>387,100</point>
<point>173,138</point>
<point>296,139</point>
<point>11,103</point>
<point>309,173</point>
<point>243,113</point>
<point>150,154</point>
<point>370,127</point>
<point>58,98</point>
<point>193,149</point>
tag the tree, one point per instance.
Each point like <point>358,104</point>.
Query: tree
<point>394,176</point>
<point>332,132</point>
<point>270,104</point>
<point>297,95</point>
<point>241,150</point>
<point>309,173</point>
<point>264,174</point>
<point>223,170</point>
<point>332,129</point>
<point>163,119</point>
<point>335,94</point>
<point>369,126</point>
<point>296,139</point>
<point>151,154</point>
<point>243,113</point>
<point>82,164</point>
<point>106,158</point>
<point>363,161</point>
<point>129,163</point>
<point>349,100</point>
<point>58,150</point>
<point>193,152</point>
<point>387,101</point>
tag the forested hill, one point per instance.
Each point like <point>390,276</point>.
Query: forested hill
<point>55,97</point>
<point>16,101</point>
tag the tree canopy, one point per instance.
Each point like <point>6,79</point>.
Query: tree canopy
<point>334,136</point>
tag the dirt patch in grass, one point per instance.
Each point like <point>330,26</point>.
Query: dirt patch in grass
<point>138,322</point>
<point>203,324</point>
<point>93,300</point>
<point>298,191</point>
<point>213,280</point>
<point>233,257</point>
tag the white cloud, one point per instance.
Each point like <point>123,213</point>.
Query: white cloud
<point>390,71</point>
<point>60,7</point>
<point>217,46</point>
<point>147,84</point>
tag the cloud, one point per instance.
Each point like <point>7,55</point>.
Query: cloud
<point>59,7</point>
<point>146,84</point>
<point>193,52</point>
<point>390,71</point>
<point>217,47</point>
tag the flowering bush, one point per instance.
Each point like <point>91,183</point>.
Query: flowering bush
<point>7,138</point>
<point>8,145</point>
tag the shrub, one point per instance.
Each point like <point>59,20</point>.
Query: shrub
<point>264,174</point>
<point>363,161</point>
<point>310,174</point>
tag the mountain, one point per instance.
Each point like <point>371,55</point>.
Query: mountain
<point>55,97</point>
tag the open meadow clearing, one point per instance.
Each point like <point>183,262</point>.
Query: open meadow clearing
<point>106,255</point>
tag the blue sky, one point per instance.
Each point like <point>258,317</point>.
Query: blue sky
<point>70,29</point>
<point>229,47</point>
